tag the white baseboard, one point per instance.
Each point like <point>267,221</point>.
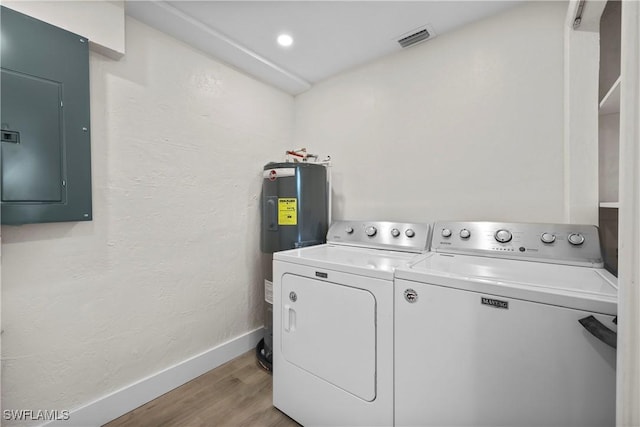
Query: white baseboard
<point>128,398</point>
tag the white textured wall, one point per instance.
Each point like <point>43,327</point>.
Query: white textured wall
<point>468,125</point>
<point>169,267</point>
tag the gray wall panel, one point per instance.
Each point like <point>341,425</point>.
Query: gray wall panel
<point>46,176</point>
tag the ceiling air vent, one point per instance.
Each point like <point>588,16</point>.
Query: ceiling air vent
<point>414,38</point>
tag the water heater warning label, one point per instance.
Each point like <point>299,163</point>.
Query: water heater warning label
<point>288,211</point>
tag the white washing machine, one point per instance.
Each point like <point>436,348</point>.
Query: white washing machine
<point>506,325</point>
<point>333,323</point>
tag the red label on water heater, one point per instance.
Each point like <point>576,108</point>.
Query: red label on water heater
<point>273,174</point>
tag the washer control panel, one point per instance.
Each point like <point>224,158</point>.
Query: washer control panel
<point>406,237</point>
<point>554,243</point>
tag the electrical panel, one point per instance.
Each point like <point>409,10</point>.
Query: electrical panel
<point>44,124</point>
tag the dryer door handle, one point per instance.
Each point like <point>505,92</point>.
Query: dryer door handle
<point>600,331</point>
<point>289,319</point>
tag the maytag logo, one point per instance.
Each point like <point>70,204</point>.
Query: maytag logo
<point>495,303</point>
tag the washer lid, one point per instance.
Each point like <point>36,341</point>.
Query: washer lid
<point>582,288</point>
<point>362,261</point>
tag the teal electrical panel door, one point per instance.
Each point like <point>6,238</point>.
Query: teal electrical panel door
<point>44,124</point>
<point>32,160</point>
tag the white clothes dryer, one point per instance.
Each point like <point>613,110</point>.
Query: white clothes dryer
<point>506,325</point>
<point>333,323</point>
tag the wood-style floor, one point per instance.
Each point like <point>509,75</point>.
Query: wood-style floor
<point>235,394</point>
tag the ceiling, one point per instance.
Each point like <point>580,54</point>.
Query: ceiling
<point>329,36</point>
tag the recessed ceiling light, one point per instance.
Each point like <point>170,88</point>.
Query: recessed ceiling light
<point>285,40</point>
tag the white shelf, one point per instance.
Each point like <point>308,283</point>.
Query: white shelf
<point>610,103</point>
<point>613,205</point>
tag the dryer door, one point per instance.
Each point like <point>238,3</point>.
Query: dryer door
<point>329,330</point>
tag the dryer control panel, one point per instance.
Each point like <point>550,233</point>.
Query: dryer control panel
<point>554,243</point>
<point>397,236</point>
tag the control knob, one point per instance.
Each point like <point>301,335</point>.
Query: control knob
<point>576,239</point>
<point>395,232</point>
<point>548,238</point>
<point>503,236</point>
<point>370,231</point>
<point>349,230</point>
<point>465,234</point>
<point>410,233</point>
<point>446,232</point>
